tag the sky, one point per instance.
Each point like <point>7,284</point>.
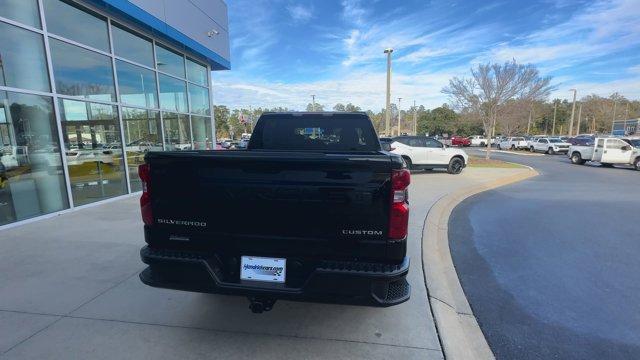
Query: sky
<point>283,51</point>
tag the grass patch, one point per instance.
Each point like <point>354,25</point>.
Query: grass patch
<point>481,162</point>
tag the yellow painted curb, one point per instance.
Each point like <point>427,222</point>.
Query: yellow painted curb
<point>459,332</point>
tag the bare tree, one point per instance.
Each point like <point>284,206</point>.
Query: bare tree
<point>491,86</point>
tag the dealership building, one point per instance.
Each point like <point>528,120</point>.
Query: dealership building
<point>87,87</point>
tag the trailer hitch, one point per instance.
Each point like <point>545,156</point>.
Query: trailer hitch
<point>258,305</point>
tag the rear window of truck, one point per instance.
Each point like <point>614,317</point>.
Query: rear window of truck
<point>315,132</point>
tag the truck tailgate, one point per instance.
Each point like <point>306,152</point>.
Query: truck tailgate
<point>272,203</point>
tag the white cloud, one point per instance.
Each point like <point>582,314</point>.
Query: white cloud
<point>363,88</point>
<point>300,13</point>
<point>627,87</point>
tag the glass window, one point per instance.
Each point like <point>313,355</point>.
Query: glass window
<point>141,134</point>
<point>93,149</point>
<point>31,179</point>
<point>131,46</point>
<point>177,133</point>
<point>78,25</point>
<point>432,143</point>
<point>80,72</point>
<point>201,126</point>
<point>173,94</point>
<point>199,100</point>
<point>196,73</point>
<point>137,85</point>
<point>22,60</point>
<point>615,144</point>
<point>170,62</point>
<point>23,11</point>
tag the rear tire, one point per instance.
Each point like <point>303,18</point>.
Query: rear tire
<point>513,147</point>
<point>455,166</point>
<point>576,159</point>
<point>532,149</point>
<point>636,164</point>
<point>551,151</point>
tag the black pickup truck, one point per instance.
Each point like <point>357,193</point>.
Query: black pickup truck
<point>313,210</point>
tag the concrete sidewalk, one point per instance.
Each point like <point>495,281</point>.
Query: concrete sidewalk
<point>69,288</point>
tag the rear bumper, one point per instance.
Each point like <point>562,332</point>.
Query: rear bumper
<point>342,282</point>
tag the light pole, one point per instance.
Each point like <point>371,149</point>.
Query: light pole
<point>555,111</point>
<point>573,111</point>
<point>313,102</point>
<point>415,119</point>
<point>387,128</point>
<point>399,115</point>
<point>579,119</point>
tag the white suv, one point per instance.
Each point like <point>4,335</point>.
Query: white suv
<point>421,152</point>
<point>550,146</point>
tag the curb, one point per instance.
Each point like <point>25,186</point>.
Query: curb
<point>458,330</point>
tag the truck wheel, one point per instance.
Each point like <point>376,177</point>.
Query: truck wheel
<point>576,159</point>
<point>407,160</point>
<point>499,148</point>
<point>636,164</point>
<point>551,151</point>
<point>482,144</point>
<point>531,149</point>
<point>513,147</point>
<point>455,166</point>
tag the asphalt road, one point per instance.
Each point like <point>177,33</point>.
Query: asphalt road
<point>551,265</point>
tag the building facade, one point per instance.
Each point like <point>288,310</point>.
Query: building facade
<point>88,87</point>
<point>625,127</point>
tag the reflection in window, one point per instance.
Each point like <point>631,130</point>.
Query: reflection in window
<point>173,94</point>
<point>93,150</point>
<point>82,73</point>
<point>199,100</point>
<point>137,85</point>
<point>72,23</point>
<point>22,61</point>
<point>170,62</point>
<point>31,179</point>
<point>141,134</point>
<point>177,133</point>
<point>23,11</point>
<point>201,126</point>
<point>196,73</point>
<point>132,47</point>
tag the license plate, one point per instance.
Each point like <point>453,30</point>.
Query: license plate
<point>263,269</point>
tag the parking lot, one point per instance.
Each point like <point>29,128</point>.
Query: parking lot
<point>71,290</point>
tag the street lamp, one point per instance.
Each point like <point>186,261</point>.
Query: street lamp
<point>399,115</point>
<point>387,129</point>
<point>573,111</point>
<point>313,102</point>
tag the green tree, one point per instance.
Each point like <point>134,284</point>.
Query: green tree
<point>221,116</point>
<point>339,107</point>
<point>319,107</point>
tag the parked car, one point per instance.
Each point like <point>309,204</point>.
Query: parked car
<point>608,151</point>
<point>460,141</point>
<point>583,139</point>
<point>478,140</point>
<point>513,143</point>
<point>550,146</point>
<point>309,216</point>
<point>385,142</point>
<point>242,144</point>
<point>427,153</point>
<point>534,139</point>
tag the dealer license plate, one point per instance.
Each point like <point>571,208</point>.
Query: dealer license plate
<point>263,269</point>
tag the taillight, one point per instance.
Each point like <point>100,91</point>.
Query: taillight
<point>399,214</point>
<point>144,172</point>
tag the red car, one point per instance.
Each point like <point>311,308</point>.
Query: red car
<point>460,141</point>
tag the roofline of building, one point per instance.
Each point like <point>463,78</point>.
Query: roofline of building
<point>157,27</point>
